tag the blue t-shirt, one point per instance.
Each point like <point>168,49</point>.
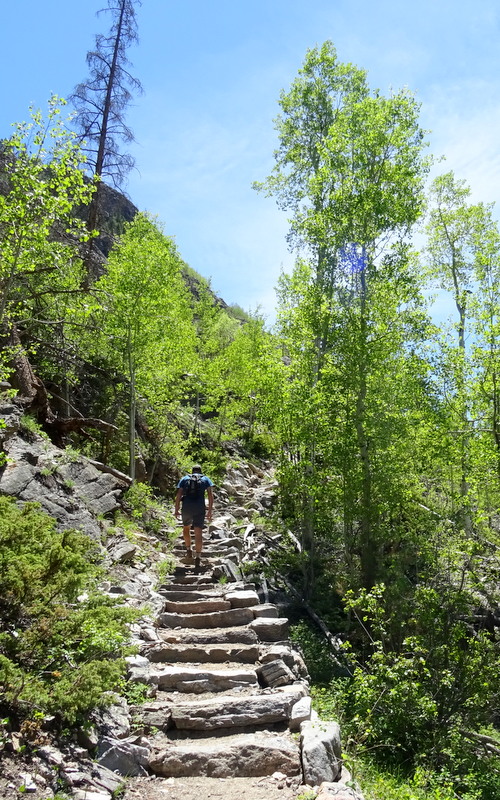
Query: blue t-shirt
<point>204,483</point>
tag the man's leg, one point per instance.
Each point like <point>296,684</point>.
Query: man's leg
<point>198,541</point>
<point>186,532</point>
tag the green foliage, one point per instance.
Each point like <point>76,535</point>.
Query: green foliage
<point>316,651</point>
<point>39,271</point>
<point>165,567</point>
<point>136,694</point>
<point>139,502</point>
<point>61,641</point>
<point>414,704</point>
<point>29,424</point>
<point>145,325</point>
<point>397,784</point>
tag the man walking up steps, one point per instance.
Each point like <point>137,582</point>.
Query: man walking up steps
<point>191,493</point>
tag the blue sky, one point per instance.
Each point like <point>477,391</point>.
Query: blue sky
<point>212,72</point>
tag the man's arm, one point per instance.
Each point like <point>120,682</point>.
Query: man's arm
<point>210,495</point>
<point>178,496</point>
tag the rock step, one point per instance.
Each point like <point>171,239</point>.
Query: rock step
<point>222,602</point>
<point>248,709</point>
<point>209,636</point>
<point>240,756</point>
<point>215,619</point>
<point>194,594</point>
<point>222,546</point>
<point>182,576</point>
<point>235,711</point>
<point>203,678</point>
<point>197,606</point>
<point>203,653</point>
<point>209,586</point>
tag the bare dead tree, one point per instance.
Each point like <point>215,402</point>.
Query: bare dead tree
<point>101,100</point>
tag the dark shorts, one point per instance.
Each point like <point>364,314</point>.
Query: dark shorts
<point>193,514</point>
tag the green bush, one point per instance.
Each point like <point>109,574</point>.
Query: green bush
<point>139,502</point>
<point>61,641</point>
<point>424,704</point>
<point>317,653</point>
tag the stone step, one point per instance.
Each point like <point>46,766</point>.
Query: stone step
<point>268,610</point>
<point>203,653</point>
<point>235,711</point>
<point>242,599</point>
<point>189,606</point>
<point>247,709</point>
<point>186,578</point>
<point>209,636</point>
<point>208,586</point>
<point>190,596</point>
<point>203,678</point>
<point>211,546</point>
<point>215,619</point>
<point>269,630</point>
<point>240,756</point>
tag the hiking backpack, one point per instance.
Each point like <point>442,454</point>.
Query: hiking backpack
<point>194,488</point>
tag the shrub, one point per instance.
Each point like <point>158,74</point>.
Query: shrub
<point>61,641</point>
<point>144,509</point>
<point>426,702</point>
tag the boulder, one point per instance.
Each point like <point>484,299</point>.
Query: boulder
<point>270,630</point>
<point>338,791</point>
<point>301,712</point>
<point>275,673</point>
<point>321,751</point>
<point>124,756</point>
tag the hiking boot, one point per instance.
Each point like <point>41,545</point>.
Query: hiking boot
<point>197,562</point>
<point>189,553</point>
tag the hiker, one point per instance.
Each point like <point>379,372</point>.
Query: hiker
<point>191,491</point>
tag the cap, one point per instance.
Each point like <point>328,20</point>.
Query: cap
<point>196,468</point>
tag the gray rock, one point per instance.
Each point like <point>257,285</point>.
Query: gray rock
<point>27,784</point>
<point>233,711</point>
<point>211,653</point>
<point>149,634</point>
<point>124,756</point>
<point>196,679</point>
<point>239,635</point>
<point>156,714</point>
<point>88,737</point>
<point>217,619</point>
<point>51,755</point>
<point>123,552</point>
<point>339,791</point>
<point>301,712</point>
<point>243,756</point>
<point>114,720</point>
<point>275,673</point>
<point>242,599</point>
<point>321,751</point>
<point>268,610</point>
<point>86,794</point>
<point>270,630</point>
<point>137,661</point>
<point>197,606</point>
<point>16,478</point>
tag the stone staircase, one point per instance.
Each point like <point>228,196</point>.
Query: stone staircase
<point>229,692</point>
